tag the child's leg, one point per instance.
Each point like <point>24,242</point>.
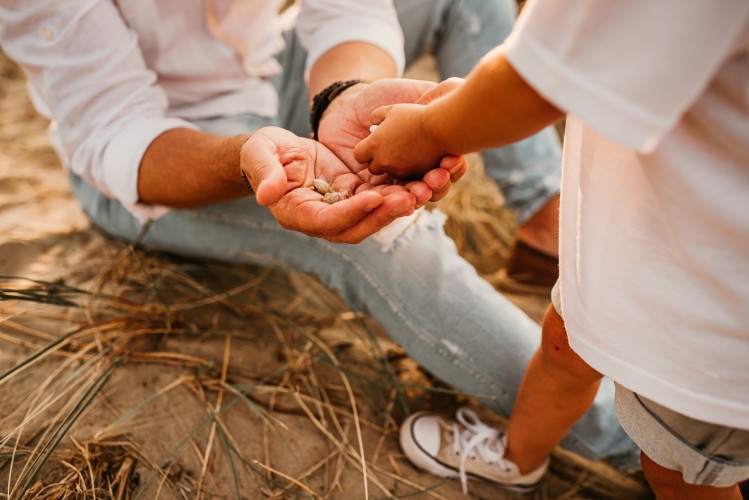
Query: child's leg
<point>557,389</point>
<point>669,484</point>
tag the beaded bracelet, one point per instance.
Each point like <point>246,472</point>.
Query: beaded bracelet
<point>245,179</point>
<point>323,99</point>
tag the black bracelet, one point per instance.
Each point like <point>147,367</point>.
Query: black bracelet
<point>245,179</point>
<point>323,99</point>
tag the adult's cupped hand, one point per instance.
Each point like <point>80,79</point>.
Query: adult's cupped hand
<point>281,168</point>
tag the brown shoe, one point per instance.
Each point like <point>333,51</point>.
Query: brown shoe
<point>529,270</point>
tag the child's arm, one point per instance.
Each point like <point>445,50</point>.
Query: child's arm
<point>492,108</point>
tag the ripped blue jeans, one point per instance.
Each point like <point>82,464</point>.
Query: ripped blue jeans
<point>429,299</point>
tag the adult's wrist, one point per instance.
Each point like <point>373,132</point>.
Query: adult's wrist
<point>237,173</point>
<point>186,168</point>
<point>322,100</point>
<point>341,99</point>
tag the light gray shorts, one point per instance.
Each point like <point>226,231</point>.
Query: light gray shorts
<point>705,453</point>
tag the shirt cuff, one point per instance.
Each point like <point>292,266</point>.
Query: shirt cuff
<point>121,163</point>
<point>606,113</point>
<point>380,34</point>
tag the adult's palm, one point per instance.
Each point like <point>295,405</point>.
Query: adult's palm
<point>347,121</point>
<point>281,168</point>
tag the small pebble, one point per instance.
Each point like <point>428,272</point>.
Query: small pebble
<point>335,196</point>
<point>326,189</point>
<point>322,186</point>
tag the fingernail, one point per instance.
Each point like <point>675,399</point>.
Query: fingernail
<point>456,164</point>
<point>372,128</point>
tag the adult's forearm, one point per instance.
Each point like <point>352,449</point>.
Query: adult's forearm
<point>494,107</point>
<point>348,61</point>
<point>185,168</point>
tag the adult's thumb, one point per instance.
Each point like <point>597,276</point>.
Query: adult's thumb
<point>270,184</point>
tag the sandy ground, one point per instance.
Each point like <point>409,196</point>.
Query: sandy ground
<point>133,374</point>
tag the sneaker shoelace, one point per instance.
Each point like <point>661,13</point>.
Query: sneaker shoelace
<point>473,438</point>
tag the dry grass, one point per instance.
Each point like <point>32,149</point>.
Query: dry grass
<point>140,310</point>
<point>131,374</point>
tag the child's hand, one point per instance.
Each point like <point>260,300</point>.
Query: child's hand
<point>401,145</point>
<point>440,90</point>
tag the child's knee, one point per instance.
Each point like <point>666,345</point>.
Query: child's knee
<point>669,484</point>
<point>556,348</point>
<point>658,477</point>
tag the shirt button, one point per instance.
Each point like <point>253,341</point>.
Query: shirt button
<point>47,33</point>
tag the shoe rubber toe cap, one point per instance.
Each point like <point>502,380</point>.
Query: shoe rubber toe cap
<point>426,433</point>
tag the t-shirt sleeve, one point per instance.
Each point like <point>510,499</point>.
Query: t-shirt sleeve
<point>323,24</point>
<point>86,71</point>
<point>630,69</point>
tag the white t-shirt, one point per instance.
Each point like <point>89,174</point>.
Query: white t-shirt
<point>115,74</point>
<point>654,249</point>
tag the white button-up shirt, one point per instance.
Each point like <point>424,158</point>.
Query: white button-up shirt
<point>113,75</point>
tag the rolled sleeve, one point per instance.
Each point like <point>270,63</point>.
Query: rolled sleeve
<point>86,71</point>
<point>121,160</point>
<point>629,70</point>
<point>323,24</point>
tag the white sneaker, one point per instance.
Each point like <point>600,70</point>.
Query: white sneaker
<point>466,448</point>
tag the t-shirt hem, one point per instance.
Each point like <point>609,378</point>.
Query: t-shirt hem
<point>670,395</point>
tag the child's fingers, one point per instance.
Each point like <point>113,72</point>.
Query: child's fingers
<point>443,88</point>
<point>363,151</point>
<point>378,115</point>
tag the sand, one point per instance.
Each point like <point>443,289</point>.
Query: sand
<point>179,378</point>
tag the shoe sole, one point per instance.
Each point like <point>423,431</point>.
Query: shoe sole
<point>421,459</point>
<point>507,284</point>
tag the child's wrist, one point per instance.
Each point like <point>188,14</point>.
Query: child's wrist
<point>435,130</point>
